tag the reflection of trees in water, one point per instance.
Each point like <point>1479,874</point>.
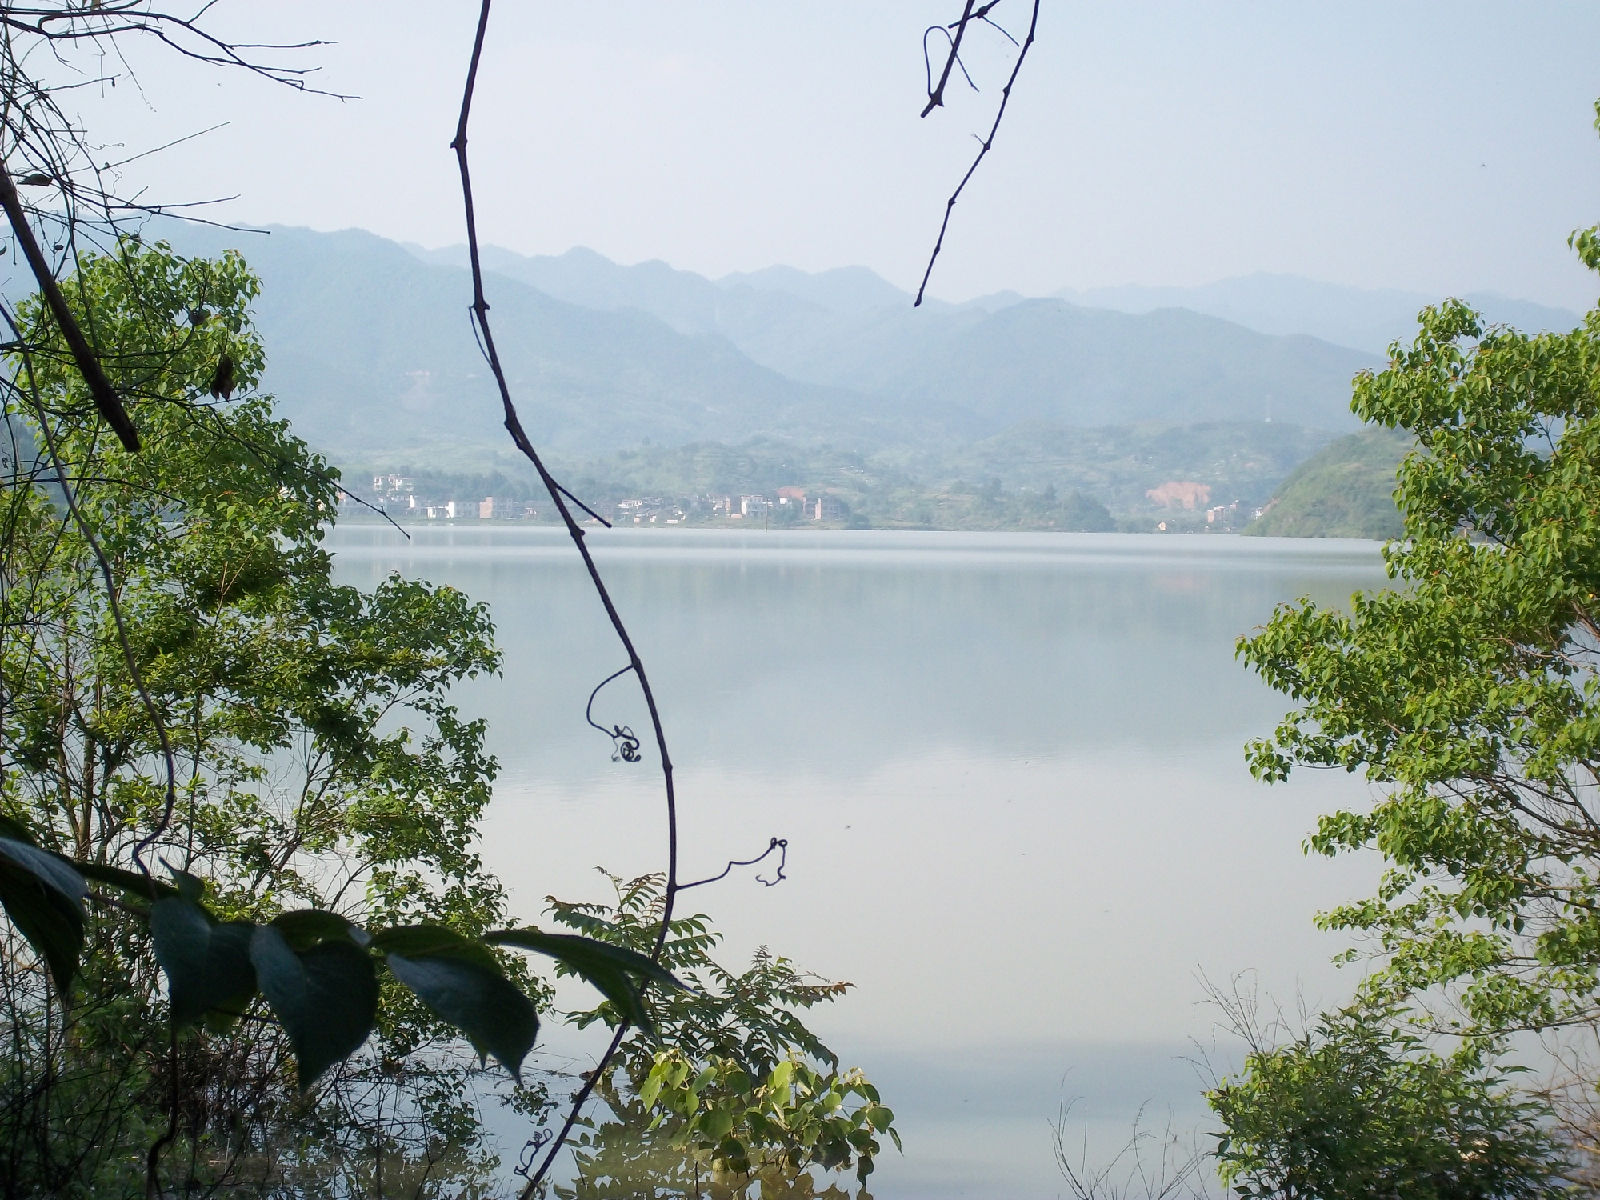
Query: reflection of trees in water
<point>771,653</point>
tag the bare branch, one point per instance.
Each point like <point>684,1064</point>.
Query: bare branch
<point>778,846</point>
<point>1005,98</point>
<point>558,496</point>
<point>105,396</point>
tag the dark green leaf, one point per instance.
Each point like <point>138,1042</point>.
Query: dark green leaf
<point>207,964</point>
<point>128,881</point>
<point>583,954</point>
<point>16,830</point>
<point>486,1006</point>
<point>609,968</point>
<point>41,896</point>
<point>326,997</point>
<point>305,927</point>
<point>190,887</point>
<point>49,869</point>
<point>433,941</point>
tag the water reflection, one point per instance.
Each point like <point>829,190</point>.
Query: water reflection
<point>1009,771</point>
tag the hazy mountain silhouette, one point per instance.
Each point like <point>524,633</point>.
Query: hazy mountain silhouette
<point>1365,318</point>
<point>973,368</point>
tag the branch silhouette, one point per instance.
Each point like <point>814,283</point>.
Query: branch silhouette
<point>625,741</point>
<point>778,846</point>
<point>936,98</point>
<point>558,497</point>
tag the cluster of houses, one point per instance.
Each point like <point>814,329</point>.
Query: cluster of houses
<point>1196,497</point>
<point>790,506</point>
<point>397,495</point>
<point>806,508</point>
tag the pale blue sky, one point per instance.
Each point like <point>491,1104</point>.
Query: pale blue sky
<point>1428,146</point>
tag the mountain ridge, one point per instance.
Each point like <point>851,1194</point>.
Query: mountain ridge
<point>371,355</point>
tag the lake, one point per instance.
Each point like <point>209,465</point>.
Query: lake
<point>1009,770</point>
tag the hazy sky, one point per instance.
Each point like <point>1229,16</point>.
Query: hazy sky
<point>1429,146</point>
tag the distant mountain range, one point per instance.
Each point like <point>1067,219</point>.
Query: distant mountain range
<point>980,366</point>
<point>371,355</point>
<point>1366,318</point>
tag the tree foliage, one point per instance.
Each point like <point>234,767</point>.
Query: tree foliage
<point>1467,694</point>
<point>1357,1108</point>
<point>735,1096</point>
<point>184,683</point>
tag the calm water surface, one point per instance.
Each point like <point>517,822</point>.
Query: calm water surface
<point>1009,769</point>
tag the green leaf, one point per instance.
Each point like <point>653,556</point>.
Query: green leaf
<point>781,1075</point>
<point>48,868</point>
<point>580,952</point>
<point>326,997</point>
<point>605,966</point>
<point>128,881</point>
<point>433,941</point>
<point>306,927</point>
<point>190,887</point>
<point>496,1017</point>
<point>716,1124</point>
<point>609,968</point>
<point>207,964</point>
<point>42,896</point>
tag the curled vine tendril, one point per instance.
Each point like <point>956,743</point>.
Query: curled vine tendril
<point>530,1151</point>
<point>778,846</point>
<point>624,742</point>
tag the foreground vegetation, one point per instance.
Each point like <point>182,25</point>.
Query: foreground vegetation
<point>1468,697</point>
<point>238,823</point>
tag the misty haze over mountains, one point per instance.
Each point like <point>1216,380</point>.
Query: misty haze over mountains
<point>1361,318</point>
<point>371,356</point>
<point>1366,318</point>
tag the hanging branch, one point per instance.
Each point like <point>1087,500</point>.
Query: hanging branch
<point>936,98</point>
<point>558,497</point>
<point>105,396</point>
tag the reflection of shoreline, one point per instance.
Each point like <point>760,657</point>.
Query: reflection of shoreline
<point>815,657</point>
<point>377,537</point>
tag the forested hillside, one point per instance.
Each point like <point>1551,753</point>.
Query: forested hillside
<point>986,415</point>
<point>1029,398</point>
<point>1347,490</point>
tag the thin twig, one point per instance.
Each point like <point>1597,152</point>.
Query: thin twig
<point>585,507</point>
<point>625,743</point>
<point>513,423</point>
<point>1005,98</point>
<point>936,94</point>
<point>778,845</point>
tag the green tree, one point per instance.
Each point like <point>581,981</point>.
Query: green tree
<point>1467,694</point>
<point>288,739</point>
<point>1358,1108</point>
